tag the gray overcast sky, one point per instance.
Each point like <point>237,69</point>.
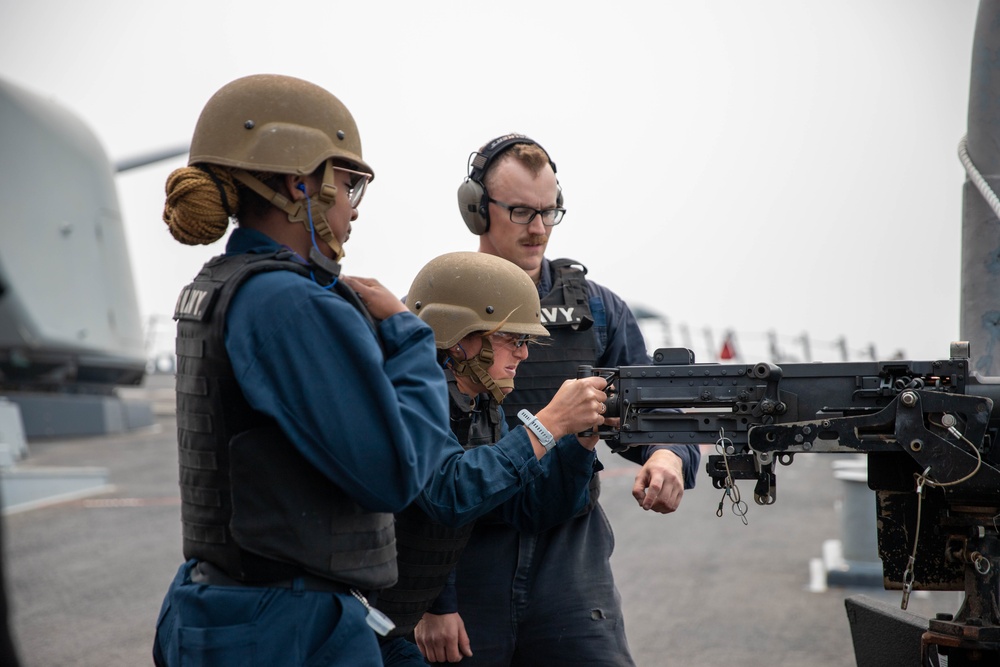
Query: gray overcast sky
<point>757,165</point>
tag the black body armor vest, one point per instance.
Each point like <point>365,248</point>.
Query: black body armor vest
<point>566,314</point>
<point>250,502</point>
<point>571,343</point>
<point>427,550</point>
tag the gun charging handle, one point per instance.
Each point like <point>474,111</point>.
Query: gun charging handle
<point>611,407</point>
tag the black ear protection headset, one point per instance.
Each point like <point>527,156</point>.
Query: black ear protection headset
<point>473,200</point>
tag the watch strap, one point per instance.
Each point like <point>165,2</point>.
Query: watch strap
<point>532,424</point>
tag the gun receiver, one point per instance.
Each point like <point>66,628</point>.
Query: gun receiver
<point>929,430</point>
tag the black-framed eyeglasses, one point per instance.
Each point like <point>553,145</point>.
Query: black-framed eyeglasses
<point>516,341</point>
<point>523,215</point>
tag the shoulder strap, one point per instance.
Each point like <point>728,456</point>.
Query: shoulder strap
<point>220,278</point>
<point>568,303</point>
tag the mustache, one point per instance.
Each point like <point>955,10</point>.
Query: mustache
<point>537,239</point>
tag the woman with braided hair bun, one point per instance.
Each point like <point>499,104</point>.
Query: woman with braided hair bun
<point>199,204</point>
<point>307,415</point>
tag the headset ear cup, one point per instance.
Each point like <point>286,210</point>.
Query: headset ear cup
<point>559,197</point>
<point>470,205</point>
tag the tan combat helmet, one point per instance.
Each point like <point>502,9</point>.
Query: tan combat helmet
<point>460,293</point>
<point>283,125</point>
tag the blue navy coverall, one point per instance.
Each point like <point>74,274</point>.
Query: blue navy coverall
<point>560,491</point>
<point>549,598</point>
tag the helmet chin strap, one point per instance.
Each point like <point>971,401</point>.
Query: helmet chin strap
<point>298,211</point>
<point>476,369</point>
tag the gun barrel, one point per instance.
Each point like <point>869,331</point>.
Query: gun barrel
<point>700,403</point>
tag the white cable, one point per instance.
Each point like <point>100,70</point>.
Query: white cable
<point>984,188</point>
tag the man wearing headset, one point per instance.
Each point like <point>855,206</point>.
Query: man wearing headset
<point>548,598</point>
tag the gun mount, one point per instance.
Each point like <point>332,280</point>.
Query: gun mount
<point>929,430</point>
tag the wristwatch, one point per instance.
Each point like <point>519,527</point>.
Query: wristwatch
<point>531,423</point>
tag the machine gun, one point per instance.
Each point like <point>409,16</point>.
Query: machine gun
<point>929,430</point>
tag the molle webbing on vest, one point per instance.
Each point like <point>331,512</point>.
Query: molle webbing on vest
<point>220,520</point>
<point>285,509</point>
<point>427,550</point>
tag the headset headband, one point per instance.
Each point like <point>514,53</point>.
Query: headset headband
<point>480,160</point>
